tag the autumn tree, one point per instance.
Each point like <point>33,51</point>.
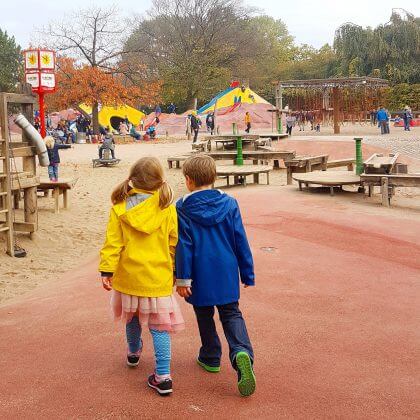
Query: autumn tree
<point>82,84</point>
<point>10,62</point>
<point>95,38</point>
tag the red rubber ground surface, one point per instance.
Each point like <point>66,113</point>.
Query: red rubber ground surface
<point>334,321</point>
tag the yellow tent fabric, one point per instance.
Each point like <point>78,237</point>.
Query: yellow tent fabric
<point>111,116</point>
<point>233,96</point>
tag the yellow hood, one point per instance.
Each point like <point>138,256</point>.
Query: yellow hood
<point>145,217</point>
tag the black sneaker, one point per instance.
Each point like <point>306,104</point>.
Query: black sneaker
<point>163,388</point>
<point>133,359</point>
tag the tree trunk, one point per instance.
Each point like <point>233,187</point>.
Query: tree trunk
<point>95,118</point>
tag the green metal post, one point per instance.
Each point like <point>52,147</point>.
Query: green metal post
<point>359,157</point>
<point>239,156</point>
<point>234,129</point>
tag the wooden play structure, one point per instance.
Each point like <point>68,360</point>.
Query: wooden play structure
<point>332,101</point>
<point>330,179</point>
<point>18,178</point>
<point>388,183</point>
<point>60,187</point>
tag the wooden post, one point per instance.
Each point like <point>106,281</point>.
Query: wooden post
<point>385,191</point>
<point>336,106</point>
<point>56,194</point>
<point>66,197</point>
<point>6,182</point>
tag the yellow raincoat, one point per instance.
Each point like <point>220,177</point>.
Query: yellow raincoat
<point>140,247</point>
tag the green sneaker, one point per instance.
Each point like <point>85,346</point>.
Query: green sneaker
<point>211,369</point>
<point>246,377</point>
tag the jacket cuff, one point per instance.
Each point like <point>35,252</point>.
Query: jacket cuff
<point>183,282</point>
<point>106,274</point>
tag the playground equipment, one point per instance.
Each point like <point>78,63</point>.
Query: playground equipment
<point>380,163</point>
<point>14,183</point>
<point>336,100</point>
<point>34,138</point>
<point>231,99</point>
<point>106,160</point>
<point>110,116</point>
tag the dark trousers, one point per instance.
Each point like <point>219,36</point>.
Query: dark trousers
<point>234,328</point>
<point>289,130</point>
<point>195,130</point>
<point>101,150</point>
<point>248,127</point>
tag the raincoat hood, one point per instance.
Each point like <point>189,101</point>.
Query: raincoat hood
<point>207,207</point>
<point>145,215</point>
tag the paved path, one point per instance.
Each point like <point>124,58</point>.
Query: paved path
<point>334,320</point>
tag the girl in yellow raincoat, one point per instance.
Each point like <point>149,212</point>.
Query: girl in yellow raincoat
<point>137,264</point>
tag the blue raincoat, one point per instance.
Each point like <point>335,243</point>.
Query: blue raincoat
<point>212,248</point>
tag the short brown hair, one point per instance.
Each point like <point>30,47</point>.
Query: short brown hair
<point>201,169</point>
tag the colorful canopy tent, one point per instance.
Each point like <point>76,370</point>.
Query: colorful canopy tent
<point>232,98</point>
<point>112,116</point>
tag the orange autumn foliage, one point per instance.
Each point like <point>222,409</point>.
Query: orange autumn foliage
<point>87,85</point>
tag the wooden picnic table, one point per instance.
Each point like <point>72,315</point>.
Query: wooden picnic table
<point>232,139</point>
<point>60,187</point>
<point>272,136</point>
<point>303,164</point>
<point>239,173</point>
<point>256,156</point>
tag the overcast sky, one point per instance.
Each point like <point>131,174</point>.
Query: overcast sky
<point>309,21</point>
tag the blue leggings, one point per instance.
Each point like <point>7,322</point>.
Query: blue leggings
<point>161,344</point>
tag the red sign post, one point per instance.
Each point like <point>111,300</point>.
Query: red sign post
<point>40,73</point>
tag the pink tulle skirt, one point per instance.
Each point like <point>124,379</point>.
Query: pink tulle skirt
<point>161,313</point>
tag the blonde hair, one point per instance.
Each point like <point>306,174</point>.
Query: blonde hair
<point>49,142</point>
<point>201,169</point>
<point>146,174</point>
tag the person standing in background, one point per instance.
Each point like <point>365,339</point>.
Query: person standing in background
<point>247,122</point>
<point>383,120</point>
<point>407,117</point>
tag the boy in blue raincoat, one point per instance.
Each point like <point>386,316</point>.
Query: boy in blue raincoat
<point>212,256</point>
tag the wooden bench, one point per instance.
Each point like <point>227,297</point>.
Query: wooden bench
<point>342,162</point>
<point>60,187</point>
<point>303,164</point>
<point>388,183</point>
<point>119,139</point>
<point>239,173</point>
<point>201,146</point>
<point>177,160</point>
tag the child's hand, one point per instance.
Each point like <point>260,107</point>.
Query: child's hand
<point>184,291</point>
<point>107,283</point>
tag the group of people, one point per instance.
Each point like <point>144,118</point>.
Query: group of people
<point>381,117</point>
<point>199,246</point>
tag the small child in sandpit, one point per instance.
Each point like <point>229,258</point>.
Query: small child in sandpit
<point>211,253</point>
<point>137,265</point>
<point>54,156</point>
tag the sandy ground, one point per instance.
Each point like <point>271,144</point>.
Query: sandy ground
<point>65,240</point>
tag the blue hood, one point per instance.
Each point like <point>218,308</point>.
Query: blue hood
<point>207,207</point>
